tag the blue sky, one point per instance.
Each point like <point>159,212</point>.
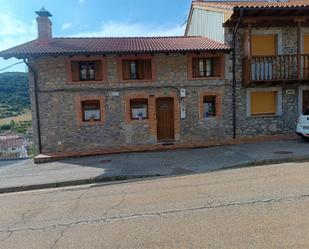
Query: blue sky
<point>90,18</point>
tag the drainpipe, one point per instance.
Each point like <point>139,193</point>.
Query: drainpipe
<point>36,105</point>
<point>234,74</point>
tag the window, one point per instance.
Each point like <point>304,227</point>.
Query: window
<point>263,45</point>
<point>137,69</point>
<point>209,106</point>
<point>91,110</point>
<point>139,109</point>
<point>87,70</point>
<point>263,103</point>
<point>207,67</point>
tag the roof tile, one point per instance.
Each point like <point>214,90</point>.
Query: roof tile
<point>114,45</point>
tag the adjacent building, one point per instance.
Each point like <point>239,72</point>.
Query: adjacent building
<point>270,40</point>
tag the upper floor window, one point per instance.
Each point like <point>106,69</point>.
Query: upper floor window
<point>206,67</point>
<point>86,70</point>
<point>139,69</point>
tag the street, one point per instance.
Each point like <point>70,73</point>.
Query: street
<point>255,207</point>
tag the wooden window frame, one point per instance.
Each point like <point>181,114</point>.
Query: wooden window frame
<point>220,69</point>
<point>80,112</point>
<point>218,105</point>
<point>95,103</point>
<point>120,61</point>
<point>87,64</point>
<point>139,100</point>
<point>85,59</point>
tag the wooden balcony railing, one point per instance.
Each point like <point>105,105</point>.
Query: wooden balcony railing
<point>275,68</point>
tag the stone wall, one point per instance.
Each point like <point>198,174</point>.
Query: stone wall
<point>281,124</point>
<point>60,130</point>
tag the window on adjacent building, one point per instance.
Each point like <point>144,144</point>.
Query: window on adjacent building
<point>86,70</point>
<point>209,106</point>
<point>91,110</point>
<point>206,67</point>
<point>137,69</point>
<point>139,109</point>
<point>263,103</point>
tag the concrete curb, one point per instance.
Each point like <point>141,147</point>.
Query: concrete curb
<point>252,163</point>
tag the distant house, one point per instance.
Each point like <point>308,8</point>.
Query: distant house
<point>13,146</point>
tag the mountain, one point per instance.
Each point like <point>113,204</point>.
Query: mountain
<point>14,94</point>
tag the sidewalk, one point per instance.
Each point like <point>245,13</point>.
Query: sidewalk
<point>25,175</point>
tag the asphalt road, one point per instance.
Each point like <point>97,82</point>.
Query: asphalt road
<point>257,207</point>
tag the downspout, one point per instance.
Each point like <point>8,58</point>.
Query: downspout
<point>234,74</point>
<point>36,105</point>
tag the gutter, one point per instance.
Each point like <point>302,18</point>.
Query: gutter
<point>234,75</point>
<point>36,105</point>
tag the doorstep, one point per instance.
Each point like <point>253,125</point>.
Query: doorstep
<point>48,157</point>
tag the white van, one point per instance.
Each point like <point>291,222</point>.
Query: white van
<point>303,126</point>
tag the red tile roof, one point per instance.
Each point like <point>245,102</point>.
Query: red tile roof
<point>59,46</point>
<point>255,4</point>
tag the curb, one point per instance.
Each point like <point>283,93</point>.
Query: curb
<point>253,163</point>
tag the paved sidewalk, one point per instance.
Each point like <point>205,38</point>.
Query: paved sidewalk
<point>25,175</point>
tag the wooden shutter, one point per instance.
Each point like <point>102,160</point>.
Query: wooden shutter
<point>140,69</point>
<point>75,70</point>
<point>306,44</point>
<point>98,73</point>
<point>217,66</point>
<point>195,69</point>
<point>263,45</point>
<point>147,69</point>
<point>126,69</point>
<point>263,103</point>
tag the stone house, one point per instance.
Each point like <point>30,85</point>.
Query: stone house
<point>270,41</point>
<point>95,94</point>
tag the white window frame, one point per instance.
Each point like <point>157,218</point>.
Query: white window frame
<point>264,89</point>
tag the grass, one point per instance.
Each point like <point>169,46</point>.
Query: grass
<point>26,116</point>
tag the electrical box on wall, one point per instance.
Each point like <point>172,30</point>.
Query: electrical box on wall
<point>182,93</point>
<point>182,111</point>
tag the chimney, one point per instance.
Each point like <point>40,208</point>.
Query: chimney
<point>44,26</point>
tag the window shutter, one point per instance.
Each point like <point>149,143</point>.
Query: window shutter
<point>98,70</point>
<point>75,71</point>
<point>140,69</point>
<point>126,69</point>
<point>195,72</point>
<point>147,69</point>
<point>217,66</point>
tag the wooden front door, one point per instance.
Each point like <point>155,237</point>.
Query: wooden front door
<point>305,100</point>
<point>165,119</point>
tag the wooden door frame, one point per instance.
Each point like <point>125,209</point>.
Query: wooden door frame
<point>174,118</point>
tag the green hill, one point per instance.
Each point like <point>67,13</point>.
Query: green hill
<point>14,94</point>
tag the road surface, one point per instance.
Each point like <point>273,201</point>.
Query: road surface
<point>257,207</point>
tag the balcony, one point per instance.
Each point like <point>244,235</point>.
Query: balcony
<point>259,69</point>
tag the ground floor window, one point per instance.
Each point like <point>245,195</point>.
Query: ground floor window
<point>209,106</point>
<point>139,109</point>
<point>264,102</point>
<point>91,110</point>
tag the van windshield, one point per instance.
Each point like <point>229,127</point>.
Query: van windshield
<point>306,112</point>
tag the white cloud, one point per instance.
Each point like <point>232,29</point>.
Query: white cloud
<point>14,32</point>
<point>66,25</point>
<point>114,29</point>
